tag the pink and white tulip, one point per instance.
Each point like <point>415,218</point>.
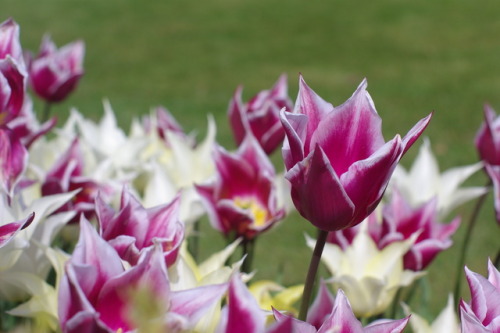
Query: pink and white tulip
<point>134,229</point>
<point>242,200</point>
<point>13,160</point>
<point>482,313</point>
<point>68,175</point>
<point>340,318</point>
<point>54,73</point>
<point>12,72</point>
<point>97,292</point>
<point>260,115</point>
<point>338,154</point>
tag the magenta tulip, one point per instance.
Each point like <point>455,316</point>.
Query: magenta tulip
<point>260,115</point>
<point>55,73</point>
<point>68,175</point>
<point>134,229</point>
<point>13,160</point>
<point>341,319</point>
<point>12,72</point>
<point>242,200</point>
<point>96,292</point>
<point>482,314</point>
<point>9,230</point>
<point>337,160</point>
<point>488,137</point>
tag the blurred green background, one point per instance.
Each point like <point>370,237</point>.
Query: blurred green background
<point>189,56</point>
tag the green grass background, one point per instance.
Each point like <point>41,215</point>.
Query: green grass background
<point>189,56</point>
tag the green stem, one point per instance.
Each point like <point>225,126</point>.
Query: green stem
<point>46,112</point>
<point>466,241</point>
<point>194,241</point>
<point>248,246</point>
<point>311,274</point>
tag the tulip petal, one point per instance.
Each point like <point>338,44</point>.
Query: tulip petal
<point>366,180</point>
<point>315,187</point>
<point>351,132</point>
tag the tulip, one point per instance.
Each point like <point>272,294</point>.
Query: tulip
<point>13,160</point>
<point>445,322</point>
<point>97,294</point>
<point>482,314</point>
<point>423,182</point>
<point>488,137</point>
<point>338,154</point>
<point>260,115</point>
<point>134,229</point>
<point>400,222</point>
<point>55,73</point>
<point>68,175</point>
<point>12,72</point>
<point>342,319</point>
<point>270,295</point>
<point>243,198</point>
<point>370,277</point>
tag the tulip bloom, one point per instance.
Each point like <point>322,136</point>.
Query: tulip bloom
<point>488,137</point>
<point>340,318</point>
<point>337,160</point>
<point>13,160</point>
<point>482,314</point>
<point>97,294</point>
<point>12,72</point>
<point>260,115</point>
<point>488,146</point>
<point>134,229</point>
<point>68,175</point>
<point>423,182</point>
<point>243,198</point>
<point>370,277</point>
<point>445,322</point>
<point>55,73</point>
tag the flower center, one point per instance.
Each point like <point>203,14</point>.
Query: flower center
<point>258,212</point>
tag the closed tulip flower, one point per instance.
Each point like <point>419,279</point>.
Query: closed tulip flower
<point>337,159</point>
<point>260,115</point>
<point>12,72</point>
<point>54,73</point>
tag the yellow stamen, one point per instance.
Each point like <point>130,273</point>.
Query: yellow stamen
<point>258,212</point>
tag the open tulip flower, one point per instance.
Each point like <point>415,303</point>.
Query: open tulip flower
<point>338,155</point>
<point>400,221</point>
<point>340,318</point>
<point>68,175</point>
<point>12,72</point>
<point>134,229</point>
<point>370,277</point>
<point>260,115</point>
<point>243,198</point>
<point>482,314</point>
<point>424,182</point>
<point>97,294</point>
<point>54,73</point>
<point>445,322</point>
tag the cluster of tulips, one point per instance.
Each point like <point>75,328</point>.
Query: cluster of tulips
<point>98,228</point>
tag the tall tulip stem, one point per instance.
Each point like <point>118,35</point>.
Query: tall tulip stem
<point>248,246</point>
<point>311,274</point>
<point>465,243</point>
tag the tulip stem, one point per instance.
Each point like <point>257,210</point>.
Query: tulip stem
<point>311,274</point>
<point>465,243</point>
<point>248,246</point>
<point>46,111</point>
<point>194,241</point>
